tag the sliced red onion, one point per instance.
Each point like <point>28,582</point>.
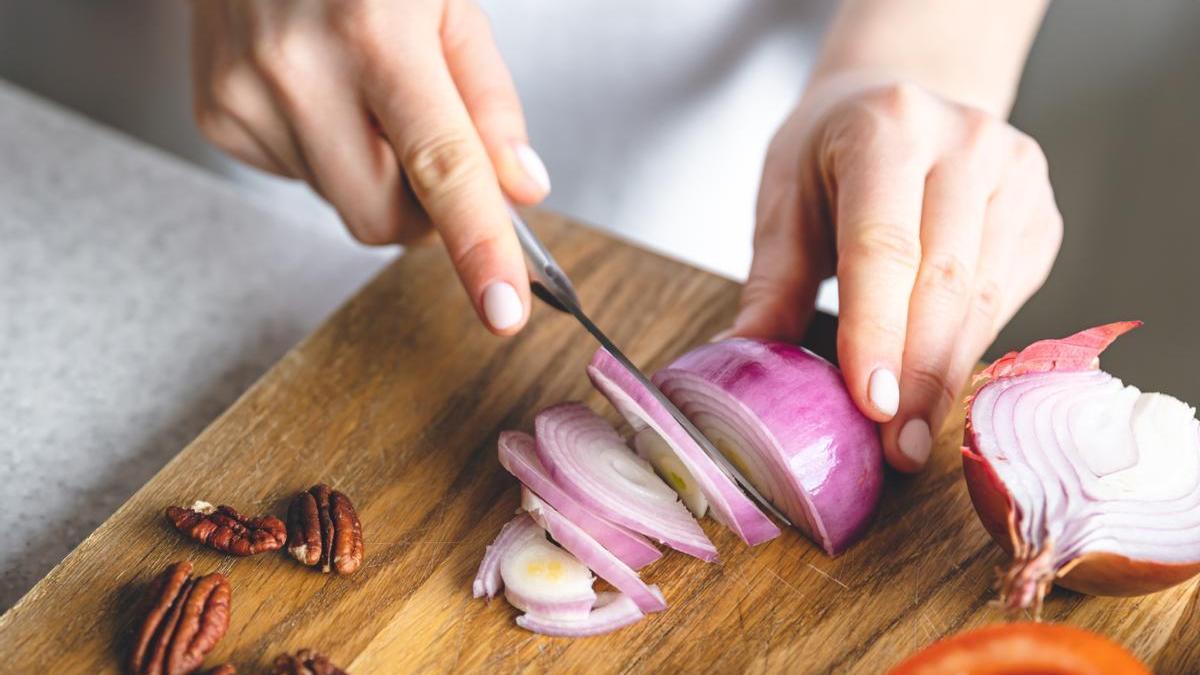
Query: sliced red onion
<point>513,535</point>
<point>518,455</point>
<point>1099,483</point>
<point>730,506</point>
<point>652,448</point>
<point>782,415</point>
<point>612,611</point>
<point>587,458</point>
<point>591,553</point>
<point>542,579</point>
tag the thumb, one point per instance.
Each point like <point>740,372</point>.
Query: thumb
<point>778,299</point>
<point>487,90</point>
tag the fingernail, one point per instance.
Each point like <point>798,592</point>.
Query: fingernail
<point>502,306</point>
<point>884,391</point>
<point>533,166</point>
<point>915,441</point>
<point>722,335</point>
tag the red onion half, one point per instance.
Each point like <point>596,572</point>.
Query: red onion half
<point>518,455</point>
<point>782,415</point>
<point>1086,482</point>
<point>730,506</point>
<point>589,460</point>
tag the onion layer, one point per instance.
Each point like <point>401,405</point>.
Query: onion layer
<point>518,455</point>
<point>513,535</point>
<point>782,415</point>
<point>591,553</point>
<point>541,578</point>
<point>589,460</point>
<point>612,611</point>
<point>652,448</point>
<point>1085,481</point>
<point>730,506</point>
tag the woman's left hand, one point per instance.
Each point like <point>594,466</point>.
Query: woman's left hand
<point>939,221</point>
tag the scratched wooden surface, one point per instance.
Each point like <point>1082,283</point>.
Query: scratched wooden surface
<point>397,400</point>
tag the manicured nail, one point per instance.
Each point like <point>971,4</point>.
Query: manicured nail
<point>533,166</point>
<point>502,305</point>
<point>915,441</point>
<point>884,391</point>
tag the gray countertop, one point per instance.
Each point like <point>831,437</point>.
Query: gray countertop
<point>139,296</point>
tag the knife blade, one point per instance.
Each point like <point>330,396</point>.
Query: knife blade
<point>551,285</point>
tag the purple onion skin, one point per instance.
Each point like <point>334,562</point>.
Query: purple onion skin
<point>803,402</point>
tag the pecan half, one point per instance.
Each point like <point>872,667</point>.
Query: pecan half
<point>323,529</point>
<point>223,528</point>
<point>305,662</point>
<point>187,617</point>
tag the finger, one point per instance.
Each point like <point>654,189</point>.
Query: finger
<point>221,129</point>
<point>412,94</point>
<point>229,135</point>
<point>242,93</point>
<point>491,98</point>
<point>878,223</point>
<point>952,224</point>
<point>352,165</point>
<point>778,297</point>
<point>1021,236</point>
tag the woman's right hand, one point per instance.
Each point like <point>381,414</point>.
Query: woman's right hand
<point>401,114</point>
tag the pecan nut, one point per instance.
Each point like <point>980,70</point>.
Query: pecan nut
<point>187,617</point>
<point>223,528</point>
<point>323,529</point>
<point>305,662</point>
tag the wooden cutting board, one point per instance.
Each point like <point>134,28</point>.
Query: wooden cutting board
<point>397,400</point>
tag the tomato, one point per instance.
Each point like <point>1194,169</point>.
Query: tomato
<point>1023,649</point>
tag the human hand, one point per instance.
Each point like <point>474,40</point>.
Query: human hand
<point>401,114</point>
<point>939,221</point>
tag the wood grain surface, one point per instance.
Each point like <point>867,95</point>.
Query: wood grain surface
<point>397,400</point>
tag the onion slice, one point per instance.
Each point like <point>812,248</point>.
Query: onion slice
<point>518,455</point>
<point>592,554</point>
<point>589,460</point>
<point>652,448</point>
<point>513,535</point>
<point>612,611</point>
<point>1085,481</point>
<point>542,579</point>
<point>730,506</point>
<point>783,417</point>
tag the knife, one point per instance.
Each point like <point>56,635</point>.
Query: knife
<point>551,285</point>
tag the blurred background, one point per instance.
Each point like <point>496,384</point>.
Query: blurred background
<point>1112,91</point>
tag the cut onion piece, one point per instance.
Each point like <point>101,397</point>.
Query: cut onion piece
<point>513,535</point>
<point>652,448</point>
<point>541,578</point>
<point>518,455</point>
<point>592,554</point>
<point>588,459</point>
<point>612,611</point>
<point>1085,481</point>
<point>730,506</point>
<point>783,417</point>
